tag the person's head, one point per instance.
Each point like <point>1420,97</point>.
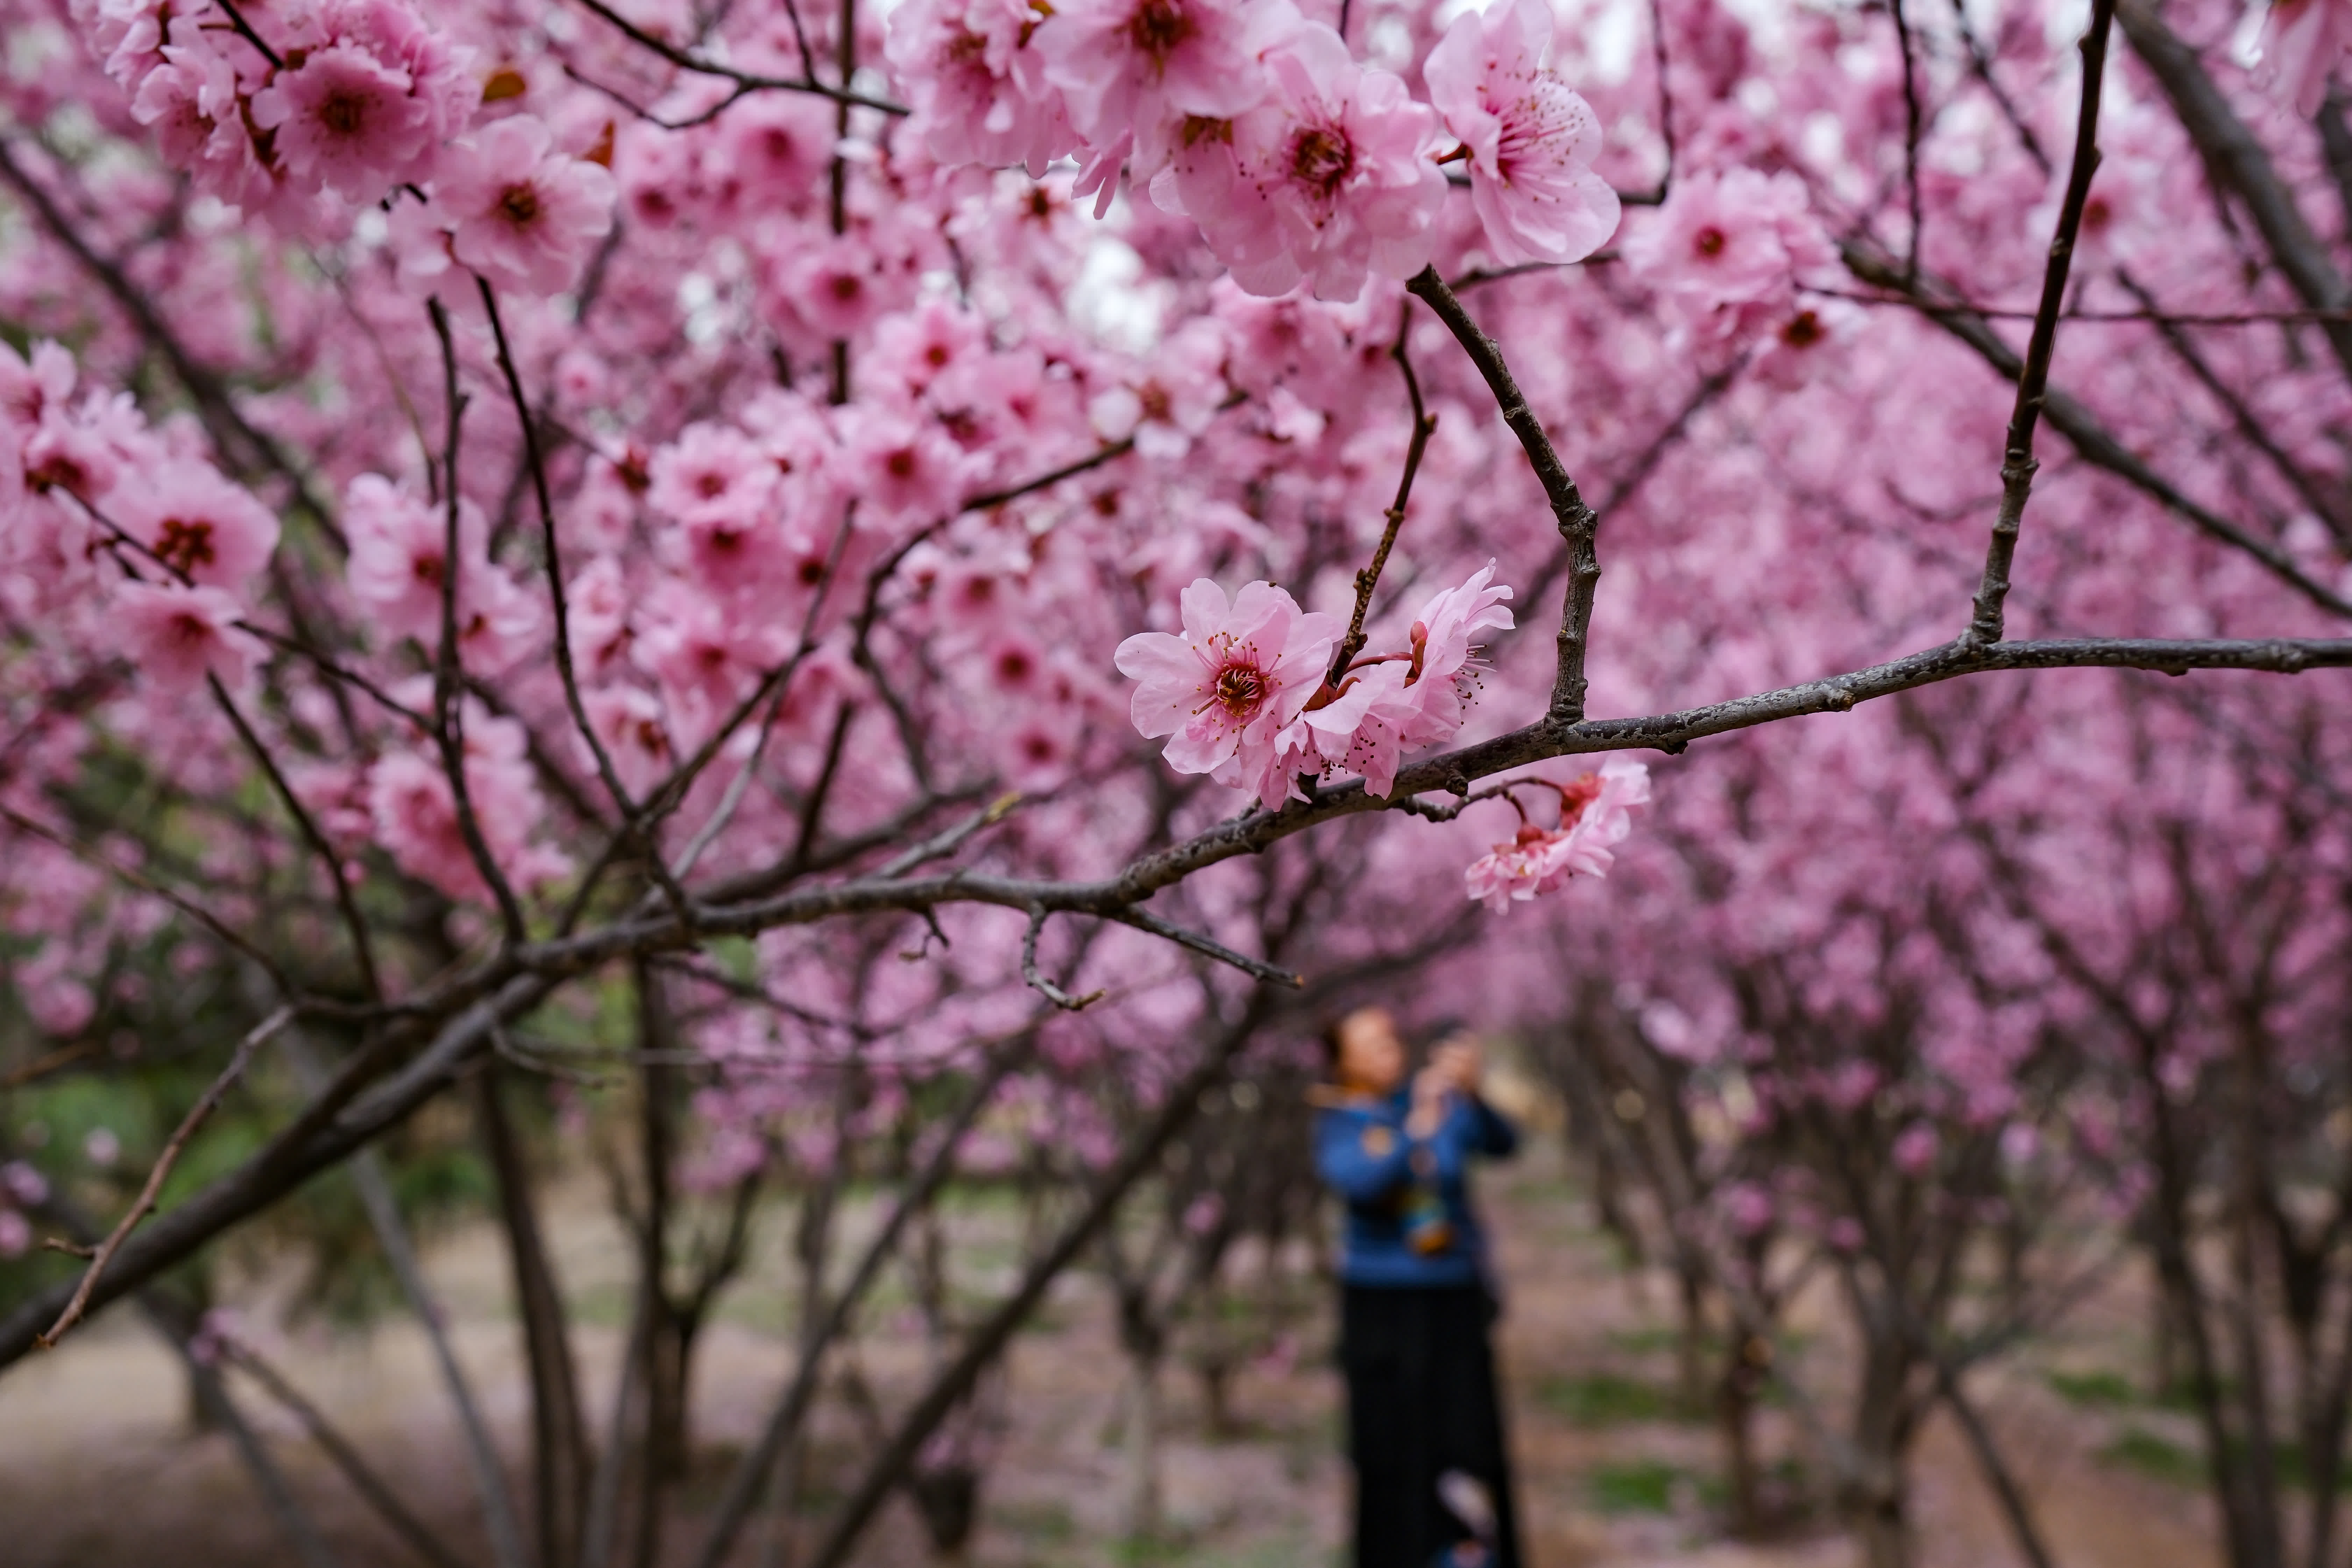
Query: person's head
<point>1366,1051</point>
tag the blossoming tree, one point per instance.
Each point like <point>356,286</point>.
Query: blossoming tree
<point>503,503</point>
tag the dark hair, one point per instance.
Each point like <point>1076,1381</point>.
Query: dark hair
<point>1331,1040</point>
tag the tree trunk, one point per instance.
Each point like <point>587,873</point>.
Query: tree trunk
<point>1140,1513</point>
<point>559,1441</point>
<point>1735,1407</point>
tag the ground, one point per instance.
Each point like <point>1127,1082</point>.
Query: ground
<point>96,1467</point>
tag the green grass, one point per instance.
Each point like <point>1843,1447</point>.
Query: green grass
<point>1607,1399</point>
<point>2100,1388</point>
<point>1639,1486</point>
<point>2137,1448</point>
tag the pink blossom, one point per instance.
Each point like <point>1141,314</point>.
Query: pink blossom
<point>192,103</point>
<point>1596,814</point>
<point>23,1183</point>
<point>2301,42</point>
<point>178,634</point>
<point>347,121</point>
<point>1329,178</point>
<point>628,722</point>
<point>712,470</point>
<point>1138,66</point>
<point>1225,688</point>
<point>416,814</point>
<point>1532,140</point>
<point>16,1234</point>
<point>399,556</point>
<point>978,83</point>
<point>903,468</point>
<point>1726,249</point>
<point>1915,1149</point>
<point>198,523</point>
<point>1418,697</point>
<point>526,216</point>
<point>1165,409</point>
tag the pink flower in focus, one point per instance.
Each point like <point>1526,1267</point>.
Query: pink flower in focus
<point>526,216</point>
<point>977,85</point>
<point>1226,687</point>
<point>346,121</point>
<point>1596,814</point>
<point>1416,699</point>
<point>196,523</point>
<point>1532,140</point>
<point>179,635</point>
<point>1329,178</point>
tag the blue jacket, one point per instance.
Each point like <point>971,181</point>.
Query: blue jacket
<point>1363,1154</point>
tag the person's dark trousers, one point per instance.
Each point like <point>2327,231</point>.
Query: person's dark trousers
<point>1421,1402</point>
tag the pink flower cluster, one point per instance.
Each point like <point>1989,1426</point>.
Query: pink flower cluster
<point>1296,163</point>
<point>365,99</point>
<point>1726,253</point>
<point>1243,692</point>
<point>103,519</point>
<point>1596,812</point>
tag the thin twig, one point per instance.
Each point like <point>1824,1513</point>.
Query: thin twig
<point>1579,524</point>
<point>749,81</point>
<point>447,704</point>
<point>1910,141</point>
<point>1255,968</point>
<point>1423,424</point>
<point>1038,980</point>
<point>254,1040</point>
<point>2018,464</point>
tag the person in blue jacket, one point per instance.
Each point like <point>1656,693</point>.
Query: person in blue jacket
<point>1417,1297</point>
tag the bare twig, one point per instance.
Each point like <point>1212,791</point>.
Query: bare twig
<point>744,81</point>
<point>2018,464</point>
<point>1579,524</point>
<point>1423,424</point>
<point>447,689</point>
<point>79,1303</point>
<point>1039,981</point>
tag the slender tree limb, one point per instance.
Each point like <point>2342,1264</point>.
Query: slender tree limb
<point>1577,523</point>
<point>745,82</point>
<point>1425,424</point>
<point>2018,464</point>
<point>79,1303</point>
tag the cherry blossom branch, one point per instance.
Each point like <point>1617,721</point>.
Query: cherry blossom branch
<point>2091,439</point>
<point>346,903</point>
<point>1256,969</point>
<point>1665,114</point>
<point>236,436</point>
<point>2237,161</point>
<point>748,81</point>
<point>1036,978</point>
<point>2018,465</point>
<point>1980,66</point>
<point>1424,423</point>
<point>1577,522</point>
<point>537,462</point>
<point>1911,136</point>
<point>79,1303</point>
<point>211,922</point>
<point>2327,507</point>
<point>447,694</point>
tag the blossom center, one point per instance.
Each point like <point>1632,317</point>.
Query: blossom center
<point>184,546</point>
<point>520,204</point>
<point>1157,26</point>
<point>1710,242</point>
<point>1322,159</point>
<point>343,112</point>
<point>1804,331</point>
<point>1240,688</point>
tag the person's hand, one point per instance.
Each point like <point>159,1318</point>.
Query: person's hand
<point>1430,1085</point>
<point>1463,1063</point>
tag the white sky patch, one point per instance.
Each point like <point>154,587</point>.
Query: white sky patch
<point>1110,301</point>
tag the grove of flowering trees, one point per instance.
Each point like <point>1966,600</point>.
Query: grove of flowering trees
<point>905,594</point>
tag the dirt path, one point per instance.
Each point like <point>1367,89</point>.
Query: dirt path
<point>96,1470</point>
